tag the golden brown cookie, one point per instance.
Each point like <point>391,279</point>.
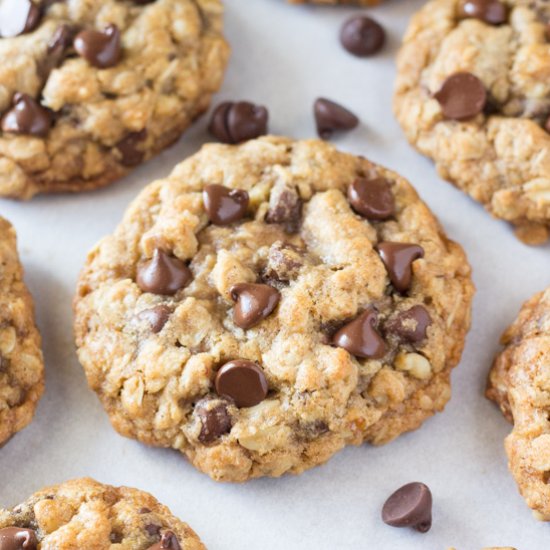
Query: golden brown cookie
<point>519,383</point>
<point>89,90</point>
<point>269,303</point>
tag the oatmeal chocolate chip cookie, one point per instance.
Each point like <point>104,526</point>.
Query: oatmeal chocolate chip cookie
<point>86,514</point>
<point>473,94</point>
<point>268,304</point>
<point>21,364</point>
<point>519,383</point>
<point>90,89</point>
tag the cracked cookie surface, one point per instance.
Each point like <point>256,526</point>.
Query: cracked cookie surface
<point>21,363</point>
<point>83,513</point>
<point>497,148</point>
<point>519,383</point>
<point>217,319</point>
<point>92,89</point>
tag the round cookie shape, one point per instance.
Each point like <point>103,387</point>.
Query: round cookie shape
<point>89,90</point>
<point>83,513</point>
<point>21,361</point>
<point>471,94</point>
<point>518,383</point>
<point>291,340</point>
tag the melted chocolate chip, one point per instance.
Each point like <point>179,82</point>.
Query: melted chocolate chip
<point>163,274</point>
<point>168,541</point>
<point>243,381</point>
<point>492,12</point>
<point>462,96</point>
<point>235,122</point>
<point>18,17</point>
<point>153,529</point>
<point>27,117</point>
<point>156,316</point>
<point>100,48</point>
<point>224,205</point>
<point>214,418</point>
<point>410,326</point>
<point>254,303</point>
<point>360,336</point>
<point>17,538</point>
<point>285,207</point>
<point>128,147</point>
<point>331,117</point>
<point>409,506</point>
<point>284,261</point>
<point>398,259</point>
<point>372,198</point>
<point>362,36</point>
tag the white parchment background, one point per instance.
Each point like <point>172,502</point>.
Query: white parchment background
<point>284,57</point>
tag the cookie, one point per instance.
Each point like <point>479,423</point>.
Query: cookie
<point>83,513</point>
<point>89,90</point>
<point>268,304</point>
<point>21,363</point>
<point>472,94</point>
<point>519,383</point>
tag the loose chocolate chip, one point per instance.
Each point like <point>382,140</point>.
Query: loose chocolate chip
<point>27,117</point>
<point>360,336</point>
<point>331,117</point>
<point>398,259</point>
<point>129,148</point>
<point>18,17</point>
<point>156,316</point>
<point>163,274</point>
<point>362,36</point>
<point>409,506</point>
<point>100,48</point>
<point>284,261</point>
<point>243,381</point>
<point>214,418</point>
<point>16,538</point>
<point>254,303</point>
<point>235,122</point>
<point>410,326</point>
<point>462,96</point>
<point>372,198</point>
<point>492,12</point>
<point>285,207</point>
<point>224,205</point>
<point>168,541</point>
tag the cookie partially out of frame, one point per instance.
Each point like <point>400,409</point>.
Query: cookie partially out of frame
<point>267,304</point>
<point>21,363</point>
<point>473,94</point>
<point>89,90</point>
<point>85,514</point>
<point>520,384</point>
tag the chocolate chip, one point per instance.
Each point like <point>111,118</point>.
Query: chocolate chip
<point>372,198</point>
<point>360,336</point>
<point>284,261</point>
<point>59,43</point>
<point>398,259</point>
<point>254,303</point>
<point>492,12</point>
<point>18,17</point>
<point>362,36</point>
<point>153,529</point>
<point>243,381</point>
<point>145,510</point>
<point>235,122</point>
<point>330,117</point>
<point>214,418</point>
<point>17,538</point>
<point>168,541</point>
<point>156,316</point>
<point>27,117</point>
<point>224,205</point>
<point>462,96</point>
<point>547,124</point>
<point>409,506</point>
<point>163,274</point>
<point>285,207</point>
<point>410,326</point>
<point>129,148</point>
<point>100,48</point>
